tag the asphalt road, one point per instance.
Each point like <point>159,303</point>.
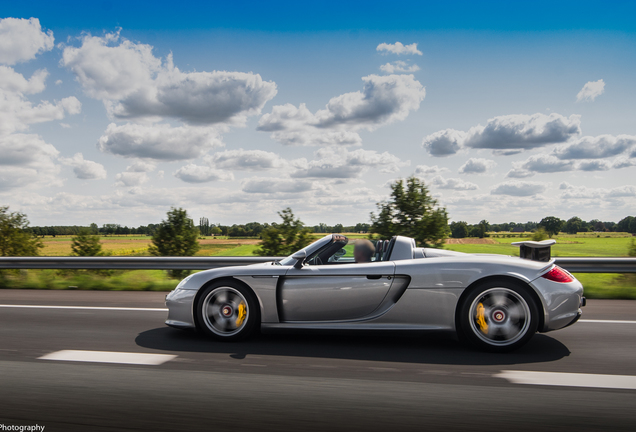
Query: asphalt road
<point>300,382</point>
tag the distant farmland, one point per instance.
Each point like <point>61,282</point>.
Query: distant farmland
<point>583,244</point>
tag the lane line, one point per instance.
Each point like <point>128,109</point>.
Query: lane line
<point>624,382</point>
<point>607,321</point>
<point>85,308</point>
<point>108,357</point>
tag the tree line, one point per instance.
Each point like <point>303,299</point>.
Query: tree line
<point>458,229</point>
<point>551,224</point>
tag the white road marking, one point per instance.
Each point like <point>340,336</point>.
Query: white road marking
<point>627,382</point>
<point>109,357</point>
<point>607,321</point>
<point>85,308</point>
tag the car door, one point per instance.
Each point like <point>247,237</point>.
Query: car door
<point>337,292</point>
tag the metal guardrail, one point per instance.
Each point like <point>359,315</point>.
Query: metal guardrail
<point>574,265</point>
<point>598,265</point>
<point>128,263</point>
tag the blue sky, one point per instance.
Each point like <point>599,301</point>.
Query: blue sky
<point>509,111</point>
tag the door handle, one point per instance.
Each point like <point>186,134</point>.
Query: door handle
<point>374,276</point>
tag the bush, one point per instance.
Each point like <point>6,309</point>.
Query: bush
<point>285,238</point>
<point>539,235</point>
<point>176,236</point>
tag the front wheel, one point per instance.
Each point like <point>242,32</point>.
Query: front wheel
<point>498,316</point>
<point>227,311</point>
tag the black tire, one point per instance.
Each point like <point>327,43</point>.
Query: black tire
<point>227,311</point>
<point>498,316</point>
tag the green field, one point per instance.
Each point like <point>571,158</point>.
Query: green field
<point>566,246</point>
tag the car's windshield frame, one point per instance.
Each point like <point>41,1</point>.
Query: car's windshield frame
<point>312,248</point>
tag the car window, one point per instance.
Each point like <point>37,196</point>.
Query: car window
<point>343,253</point>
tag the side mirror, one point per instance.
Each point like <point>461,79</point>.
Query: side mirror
<point>300,258</point>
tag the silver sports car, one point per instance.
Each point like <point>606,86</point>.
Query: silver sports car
<point>493,302</point>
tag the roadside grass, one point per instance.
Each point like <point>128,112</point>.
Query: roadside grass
<point>608,285</point>
<point>119,280</point>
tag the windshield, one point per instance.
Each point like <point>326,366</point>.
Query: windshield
<point>315,246</point>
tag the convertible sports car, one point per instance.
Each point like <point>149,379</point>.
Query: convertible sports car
<point>493,302</point>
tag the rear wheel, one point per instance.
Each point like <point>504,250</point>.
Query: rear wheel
<point>498,316</point>
<point>227,311</point>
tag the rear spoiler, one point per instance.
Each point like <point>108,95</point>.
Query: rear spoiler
<point>535,250</point>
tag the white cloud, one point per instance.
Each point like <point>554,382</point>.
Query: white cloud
<point>17,112</point>
<point>546,164</point>
<point>22,39</point>
<point>252,160</point>
<point>15,82</point>
<point>399,67</point>
<point>192,173</point>
<point>444,143</point>
<point>523,131</point>
<point>518,188</point>
<point>598,147</point>
<point>85,169</point>
<point>135,174</point>
<point>133,84</point>
<point>426,171</point>
<point>453,183</point>
<point>65,125</point>
<point>399,48</point>
<point>268,185</point>
<point>27,161</point>
<point>591,90</point>
<point>141,166</point>
<point>539,164</point>
<point>623,162</point>
<point>158,141</point>
<point>477,166</point>
<point>131,179</point>
<point>594,165</point>
<point>571,192</point>
<point>519,173</point>
<point>340,163</point>
<point>510,132</point>
<point>384,99</point>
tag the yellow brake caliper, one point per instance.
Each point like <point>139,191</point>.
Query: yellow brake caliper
<point>481,320</point>
<point>242,313</point>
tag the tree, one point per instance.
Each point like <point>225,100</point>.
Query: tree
<point>16,239</point>
<point>574,225</point>
<point>624,224</point>
<point>86,244</point>
<point>411,212</point>
<point>176,236</point>
<point>459,229</point>
<point>552,225</point>
<point>285,238</point>
<point>362,228</point>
